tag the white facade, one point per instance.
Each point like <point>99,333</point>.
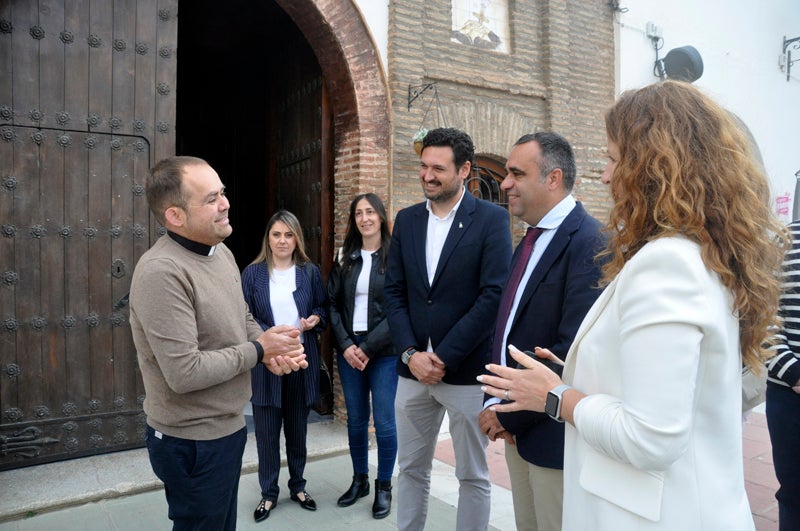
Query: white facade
<point>376,15</point>
<point>740,42</point>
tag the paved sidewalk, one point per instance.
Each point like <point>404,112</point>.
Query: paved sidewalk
<point>119,492</point>
<point>759,472</point>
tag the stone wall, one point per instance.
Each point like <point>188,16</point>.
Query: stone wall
<point>558,75</point>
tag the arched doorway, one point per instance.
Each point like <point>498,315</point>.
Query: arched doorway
<point>279,96</point>
<point>252,102</point>
<point>247,73</point>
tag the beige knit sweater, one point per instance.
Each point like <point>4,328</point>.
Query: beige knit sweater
<point>192,331</point>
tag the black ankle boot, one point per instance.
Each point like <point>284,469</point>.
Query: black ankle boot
<point>383,499</point>
<point>358,489</point>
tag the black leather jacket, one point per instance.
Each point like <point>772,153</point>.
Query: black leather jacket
<point>341,300</point>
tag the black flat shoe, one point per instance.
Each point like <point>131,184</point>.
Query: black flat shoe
<point>308,504</point>
<point>261,512</point>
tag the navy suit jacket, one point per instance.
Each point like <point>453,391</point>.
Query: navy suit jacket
<point>310,299</point>
<point>561,289</point>
<point>458,309</point>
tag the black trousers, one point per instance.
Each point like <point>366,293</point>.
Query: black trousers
<point>783,421</point>
<point>293,416</point>
<point>201,478</point>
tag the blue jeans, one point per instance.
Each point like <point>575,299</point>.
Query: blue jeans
<point>379,378</point>
<point>783,421</point>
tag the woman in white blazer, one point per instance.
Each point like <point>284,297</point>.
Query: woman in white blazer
<point>652,383</point>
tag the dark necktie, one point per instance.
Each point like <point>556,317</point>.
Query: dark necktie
<point>507,300</point>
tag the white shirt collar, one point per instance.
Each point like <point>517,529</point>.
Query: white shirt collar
<point>556,215</point>
<point>452,211</point>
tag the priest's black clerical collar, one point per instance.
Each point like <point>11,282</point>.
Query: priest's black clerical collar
<point>199,248</point>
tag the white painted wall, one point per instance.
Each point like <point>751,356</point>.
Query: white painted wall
<point>740,42</point>
<point>376,15</point>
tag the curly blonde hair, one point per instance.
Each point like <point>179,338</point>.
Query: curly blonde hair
<point>687,167</point>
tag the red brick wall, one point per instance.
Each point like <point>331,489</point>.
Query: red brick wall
<point>358,94</point>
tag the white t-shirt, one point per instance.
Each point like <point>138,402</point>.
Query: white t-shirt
<point>361,302</point>
<point>282,286</point>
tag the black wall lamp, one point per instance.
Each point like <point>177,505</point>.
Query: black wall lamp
<point>785,60</point>
<point>683,64</point>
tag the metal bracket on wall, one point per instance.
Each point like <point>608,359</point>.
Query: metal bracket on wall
<point>415,91</point>
<point>787,54</point>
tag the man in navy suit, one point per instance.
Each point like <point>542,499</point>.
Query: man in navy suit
<point>447,263</point>
<point>556,287</point>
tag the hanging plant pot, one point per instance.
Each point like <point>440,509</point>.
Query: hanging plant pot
<point>418,140</point>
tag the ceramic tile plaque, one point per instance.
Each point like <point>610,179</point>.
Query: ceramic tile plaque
<point>482,24</point>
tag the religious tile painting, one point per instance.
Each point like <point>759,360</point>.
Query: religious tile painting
<point>482,24</point>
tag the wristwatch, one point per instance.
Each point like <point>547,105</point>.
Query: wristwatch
<point>552,405</point>
<point>405,357</point>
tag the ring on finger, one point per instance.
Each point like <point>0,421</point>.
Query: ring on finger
<point>507,395</point>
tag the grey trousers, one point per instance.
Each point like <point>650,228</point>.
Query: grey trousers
<point>419,410</point>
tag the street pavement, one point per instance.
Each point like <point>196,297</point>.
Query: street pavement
<point>119,491</point>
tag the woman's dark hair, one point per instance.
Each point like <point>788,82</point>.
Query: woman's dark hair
<point>352,238</point>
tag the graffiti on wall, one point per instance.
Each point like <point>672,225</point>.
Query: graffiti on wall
<point>783,207</point>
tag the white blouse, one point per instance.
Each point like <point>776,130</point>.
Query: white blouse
<point>282,285</point>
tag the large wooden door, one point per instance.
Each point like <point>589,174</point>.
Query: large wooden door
<point>86,105</point>
<point>304,146</point>
<point>304,155</point>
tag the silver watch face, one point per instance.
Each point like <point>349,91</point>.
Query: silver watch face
<point>405,357</point>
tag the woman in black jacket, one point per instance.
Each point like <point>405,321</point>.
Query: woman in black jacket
<point>366,359</point>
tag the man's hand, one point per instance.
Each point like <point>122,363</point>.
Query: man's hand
<point>490,425</point>
<point>426,367</point>
<point>283,352</point>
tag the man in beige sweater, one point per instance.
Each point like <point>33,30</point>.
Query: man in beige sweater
<point>196,343</point>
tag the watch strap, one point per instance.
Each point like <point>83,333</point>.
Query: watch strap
<point>405,357</point>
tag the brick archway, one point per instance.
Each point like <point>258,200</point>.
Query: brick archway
<point>358,91</point>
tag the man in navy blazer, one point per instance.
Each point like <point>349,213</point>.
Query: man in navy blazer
<point>557,288</point>
<point>445,270</point>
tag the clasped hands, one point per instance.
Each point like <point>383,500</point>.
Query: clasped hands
<point>426,367</point>
<point>283,351</point>
<point>355,357</point>
<point>522,389</point>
